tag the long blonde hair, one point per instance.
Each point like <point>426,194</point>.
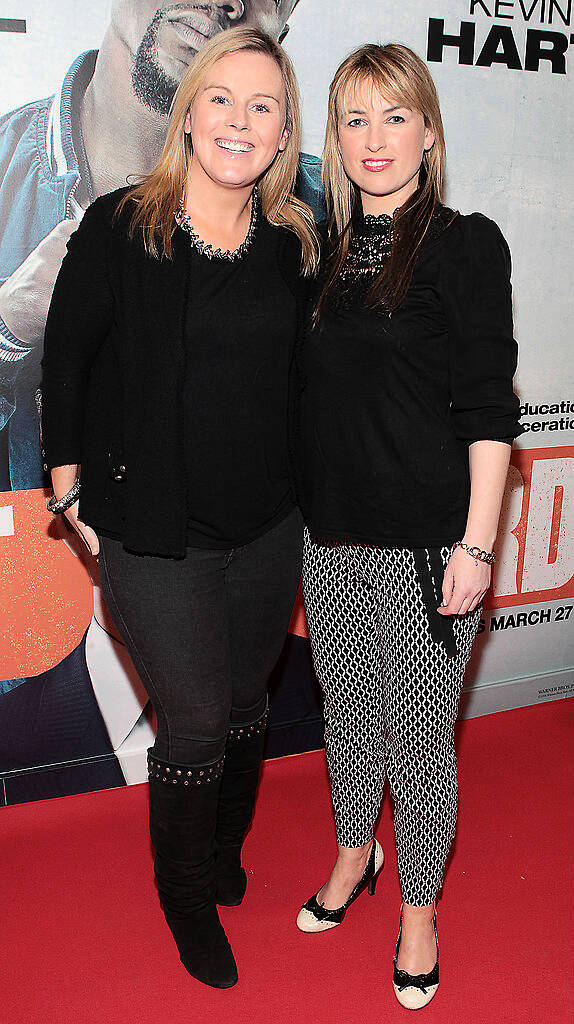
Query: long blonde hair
<point>397,73</point>
<point>157,195</point>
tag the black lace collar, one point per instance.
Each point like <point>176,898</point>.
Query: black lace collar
<point>370,246</point>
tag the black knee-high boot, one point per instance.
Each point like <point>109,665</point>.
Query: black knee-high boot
<point>243,754</point>
<point>183,802</point>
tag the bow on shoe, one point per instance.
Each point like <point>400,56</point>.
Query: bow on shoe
<point>323,913</point>
<point>405,980</point>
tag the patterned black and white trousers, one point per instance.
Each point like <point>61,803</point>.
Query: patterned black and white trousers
<point>391,697</point>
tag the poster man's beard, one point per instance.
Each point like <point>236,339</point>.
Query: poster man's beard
<point>150,82</point>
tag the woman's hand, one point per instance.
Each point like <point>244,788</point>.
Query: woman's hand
<point>466,579</point>
<point>86,533</point>
<point>63,479</point>
<point>465,583</point>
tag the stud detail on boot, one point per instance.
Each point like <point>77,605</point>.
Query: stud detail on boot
<point>246,732</point>
<point>184,776</point>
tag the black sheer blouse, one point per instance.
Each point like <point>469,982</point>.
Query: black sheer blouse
<point>388,405</point>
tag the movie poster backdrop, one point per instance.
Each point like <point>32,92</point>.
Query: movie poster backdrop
<point>73,714</point>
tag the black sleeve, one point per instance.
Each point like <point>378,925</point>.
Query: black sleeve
<point>289,258</point>
<point>477,298</point>
<point>79,320</point>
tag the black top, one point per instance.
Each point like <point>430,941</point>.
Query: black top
<point>116,381</point>
<point>387,406</point>
<point>242,325</point>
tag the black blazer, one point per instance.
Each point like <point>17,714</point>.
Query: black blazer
<point>113,373</point>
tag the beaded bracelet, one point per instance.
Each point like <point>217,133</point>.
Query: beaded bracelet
<point>57,505</point>
<point>482,556</point>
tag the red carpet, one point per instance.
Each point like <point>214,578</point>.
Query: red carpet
<point>84,940</point>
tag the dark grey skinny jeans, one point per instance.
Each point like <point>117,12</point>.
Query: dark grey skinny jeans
<point>204,632</point>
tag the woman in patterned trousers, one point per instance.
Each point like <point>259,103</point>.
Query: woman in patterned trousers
<point>405,420</point>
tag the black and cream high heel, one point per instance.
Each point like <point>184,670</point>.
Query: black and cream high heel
<point>415,991</point>
<point>313,917</point>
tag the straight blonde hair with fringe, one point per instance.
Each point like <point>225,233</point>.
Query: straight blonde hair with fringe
<point>397,73</point>
<point>157,195</point>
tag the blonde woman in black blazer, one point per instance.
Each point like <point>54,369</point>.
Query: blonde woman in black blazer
<point>167,353</point>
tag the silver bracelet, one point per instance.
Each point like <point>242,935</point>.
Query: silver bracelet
<point>57,505</point>
<point>482,556</point>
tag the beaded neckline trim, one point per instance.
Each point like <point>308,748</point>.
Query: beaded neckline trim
<point>205,248</point>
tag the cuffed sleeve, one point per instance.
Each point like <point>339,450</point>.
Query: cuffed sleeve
<point>79,320</point>
<point>477,299</point>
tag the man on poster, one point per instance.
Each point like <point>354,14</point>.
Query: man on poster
<point>57,155</point>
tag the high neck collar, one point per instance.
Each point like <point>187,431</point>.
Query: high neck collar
<point>378,218</point>
<point>373,225</point>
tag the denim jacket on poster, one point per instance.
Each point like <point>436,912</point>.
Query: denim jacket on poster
<point>39,174</point>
